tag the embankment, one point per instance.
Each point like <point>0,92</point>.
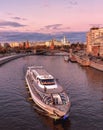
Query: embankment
<point>6,59</point>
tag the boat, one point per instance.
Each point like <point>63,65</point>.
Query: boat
<point>66,58</point>
<point>47,93</point>
<point>72,58</point>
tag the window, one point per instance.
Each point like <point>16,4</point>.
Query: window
<point>47,81</point>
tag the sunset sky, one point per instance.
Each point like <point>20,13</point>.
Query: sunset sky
<point>50,16</point>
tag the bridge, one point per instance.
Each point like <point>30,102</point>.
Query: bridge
<point>50,52</point>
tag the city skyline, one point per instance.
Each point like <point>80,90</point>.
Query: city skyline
<point>45,16</point>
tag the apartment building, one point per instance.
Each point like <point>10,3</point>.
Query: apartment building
<point>95,41</point>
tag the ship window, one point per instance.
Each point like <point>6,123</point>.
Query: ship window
<point>47,81</point>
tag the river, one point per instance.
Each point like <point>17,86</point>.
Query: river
<point>84,86</point>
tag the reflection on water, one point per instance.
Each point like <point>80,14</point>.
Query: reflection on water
<point>94,75</point>
<point>84,86</point>
<point>54,124</point>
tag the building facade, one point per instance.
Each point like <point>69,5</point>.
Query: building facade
<point>95,41</point>
<point>53,41</point>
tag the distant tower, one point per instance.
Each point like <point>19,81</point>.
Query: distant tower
<point>27,44</point>
<point>64,41</point>
<point>52,45</point>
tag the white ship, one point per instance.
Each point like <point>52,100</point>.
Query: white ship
<point>47,93</point>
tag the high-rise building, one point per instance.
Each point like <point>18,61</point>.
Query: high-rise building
<point>95,41</point>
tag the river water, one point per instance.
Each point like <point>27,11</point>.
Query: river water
<point>84,86</point>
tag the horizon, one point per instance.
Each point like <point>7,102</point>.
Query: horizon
<point>72,37</point>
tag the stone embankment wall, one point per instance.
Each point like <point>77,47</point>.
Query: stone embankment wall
<point>6,59</point>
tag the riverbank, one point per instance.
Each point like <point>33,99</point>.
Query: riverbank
<point>8,58</point>
<point>85,60</point>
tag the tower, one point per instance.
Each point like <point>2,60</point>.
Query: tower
<point>52,45</point>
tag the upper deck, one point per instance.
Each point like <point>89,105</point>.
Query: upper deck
<point>40,72</point>
<point>45,80</point>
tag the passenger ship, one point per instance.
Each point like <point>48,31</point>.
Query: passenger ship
<point>47,93</point>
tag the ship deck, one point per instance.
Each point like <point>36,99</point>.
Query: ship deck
<point>59,89</point>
